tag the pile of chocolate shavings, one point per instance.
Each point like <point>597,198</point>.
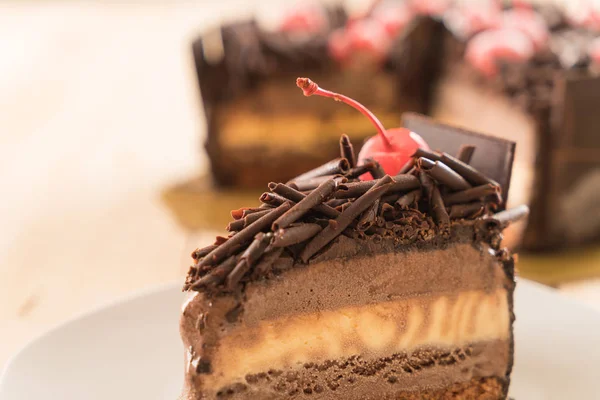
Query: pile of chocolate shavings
<point>298,219</point>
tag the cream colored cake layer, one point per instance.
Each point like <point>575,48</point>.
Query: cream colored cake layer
<point>445,321</point>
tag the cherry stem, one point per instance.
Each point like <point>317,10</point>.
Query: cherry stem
<point>310,88</point>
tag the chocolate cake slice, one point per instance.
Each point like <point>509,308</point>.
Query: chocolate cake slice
<point>340,288</point>
<point>524,73</point>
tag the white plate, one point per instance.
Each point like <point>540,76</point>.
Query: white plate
<point>131,350</point>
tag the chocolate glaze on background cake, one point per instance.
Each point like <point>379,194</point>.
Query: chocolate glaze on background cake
<point>544,87</point>
<point>309,292</point>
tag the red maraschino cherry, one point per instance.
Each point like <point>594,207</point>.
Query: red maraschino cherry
<point>392,148</point>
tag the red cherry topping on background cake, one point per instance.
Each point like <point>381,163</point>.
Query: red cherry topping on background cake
<point>339,46</point>
<point>594,51</point>
<point>429,7</point>
<point>393,17</point>
<point>391,148</point>
<point>482,16</point>
<point>485,49</point>
<point>364,36</point>
<point>529,22</point>
<point>308,18</point>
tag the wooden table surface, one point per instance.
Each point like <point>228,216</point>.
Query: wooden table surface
<point>98,115</point>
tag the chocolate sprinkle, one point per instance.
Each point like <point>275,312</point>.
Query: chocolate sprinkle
<point>478,192</point>
<point>356,189</point>
<point>248,258</point>
<point>347,150</point>
<point>217,275</point>
<point>443,174</point>
<point>466,210</point>
<point>295,196</point>
<point>437,206</point>
<point>409,199</point>
<point>313,199</point>
<point>199,253</point>
<point>346,218</point>
<point>367,219</point>
<point>244,222</point>
<point>422,153</point>
<point>466,171</point>
<point>376,170</point>
<point>266,262</point>
<point>312,183</point>
<point>249,211</point>
<point>273,199</point>
<point>360,170</point>
<point>295,234</point>
<point>244,236</point>
<point>333,167</point>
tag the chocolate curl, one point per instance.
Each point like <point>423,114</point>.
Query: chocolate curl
<point>295,234</point>
<point>390,198</point>
<point>244,236</point>
<point>476,193</point>
<point>272,199</point>
<point>266,262</point>
<point>248,258</point>
<point>219,240</point>
<point>237,214</point>
<point>333,167</point>
<point>356,189</point>
<point>216,276</point>
<point>360,170</point>
<point>312,183</point>
<point>421,153</point>
<point>465,153</point>
<point>336,202</point>
<point>386,209</point>
<point>249,211</point>
<point>376,171</point>
<point>409,199</point>
<point>295,196</point>
<point>512,215</point>
<point>407,166</point>
<point>438,208</point>
<point>347,150</point>
<point>265,206</point>
<point>199,253</point>
<point>346,218</point>
<point>427,184</point>
<point>313,199</point>
<point>466,210</point>
<point>466,171</point>
<point>367,218</point>
<point>443,174</point>
<point>242,223</point>
<point>343,207</point>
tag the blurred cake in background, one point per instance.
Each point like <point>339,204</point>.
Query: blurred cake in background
<point>513,71</point>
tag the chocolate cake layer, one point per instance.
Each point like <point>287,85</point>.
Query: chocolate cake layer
<point>422,374</point>
<point>415,299</point>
